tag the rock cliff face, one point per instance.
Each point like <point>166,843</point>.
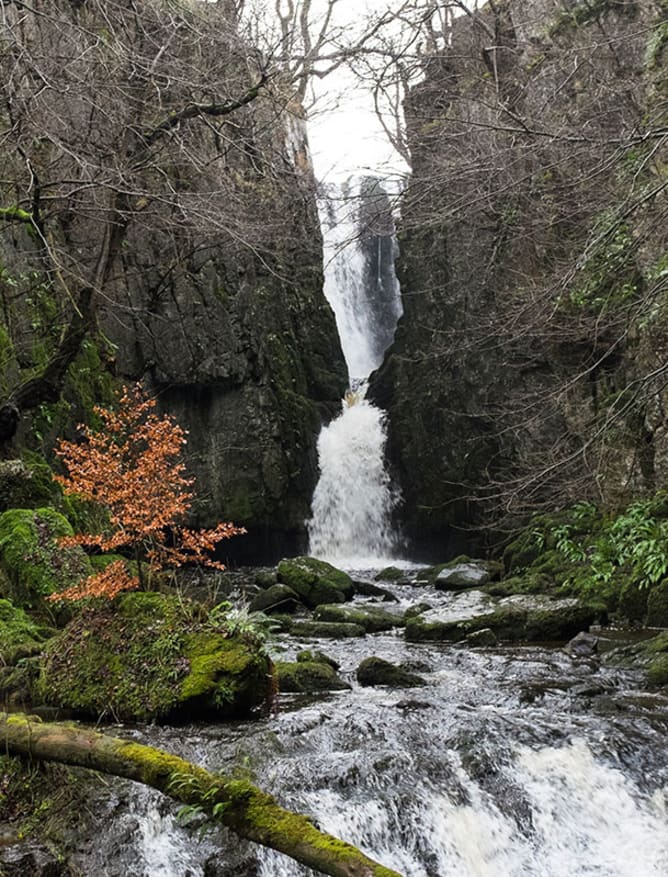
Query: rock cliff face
<point>240,345</point>
<point>162,202</point>
<point>526,370</point>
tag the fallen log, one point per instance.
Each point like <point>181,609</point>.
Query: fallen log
<point>237,804</point>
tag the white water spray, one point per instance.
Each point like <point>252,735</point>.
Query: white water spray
<point>353,501</point>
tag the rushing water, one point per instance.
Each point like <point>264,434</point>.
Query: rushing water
<point>353,501</point>
<point>509,762</point>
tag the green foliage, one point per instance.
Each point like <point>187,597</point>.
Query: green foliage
<point>635,539</point>
<point>615,557</point>
<point>254,628</point>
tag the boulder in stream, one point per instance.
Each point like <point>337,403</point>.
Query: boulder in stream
<point>377,671</point>
<point>392,574</point>
<point>320,657</point>
<point>650,655</point>
<point>372,618</point>
<point>308,676</point>
<point>367,589</point>
<point>277,598</point>
<point>584,645</point>
<point>28,859</point>
<point>315,581</point>
<point>484,638</point>
<point>325,629</point>
<point>460,574</point>
<point>512,619</point>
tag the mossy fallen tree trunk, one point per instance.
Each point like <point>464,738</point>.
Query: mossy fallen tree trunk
<point>245,809</point>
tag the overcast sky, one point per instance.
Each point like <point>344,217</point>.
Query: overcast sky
<point>344,133</point>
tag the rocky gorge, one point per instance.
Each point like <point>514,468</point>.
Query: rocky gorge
<point>501,710</point>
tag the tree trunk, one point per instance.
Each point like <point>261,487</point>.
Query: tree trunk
<point>239,805</point>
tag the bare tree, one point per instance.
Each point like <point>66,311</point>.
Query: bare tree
<point>533,229</point>
<point>102,108</point>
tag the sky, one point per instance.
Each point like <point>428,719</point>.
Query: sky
<point>344,134</point>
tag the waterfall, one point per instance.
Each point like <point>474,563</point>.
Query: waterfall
<point>354,499</point>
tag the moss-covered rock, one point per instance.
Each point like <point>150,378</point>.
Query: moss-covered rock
<point>650,655</point>
<point>325,629</point>
<point>418,609</point>
<point>265,578</point>
<point>632,600</point>
<point>367,589</point>
<point>315,581</point>
<point>19,635</point>
<point>377,671</point>
<point>461,573</point>
<point>526,583</point>
<point>484,638</point>
<point>34,563</point>
<point>25,486</point>
<point>390,574</point>
<point>461,576</point>
<point>277,598</point>
<point>511,620</point>
<point>508,623</point>
<point>148,656</point>
<point>308,676</point>
<point>308,655</point>
<point>371,618</point>
<point>657,606</point>
<point>562,621</point>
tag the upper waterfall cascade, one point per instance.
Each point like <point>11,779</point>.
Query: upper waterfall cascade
<point>353,501</point>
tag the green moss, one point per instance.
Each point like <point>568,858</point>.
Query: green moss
<point>657,605</point>
<point>308,676</point>
<point>16,213</point>
<point>89,383</point>
<point>657,672</point>
<point>657,645</point>
<point>19,635</point>
<point>609,277</point>
<point>326,629</point>
<point>315,581</point>
<point>389,574</point>
<point>373,620</point>
<point>531,582</point>
<point>541,622</point>
<point>151,656</point>
<point>376,671</point>
<point>25,486</point>
<point>35,564</point>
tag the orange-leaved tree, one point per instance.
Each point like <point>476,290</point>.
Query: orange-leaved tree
<point>131,466</point>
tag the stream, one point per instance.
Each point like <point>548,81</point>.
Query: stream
<point>509,762</point>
